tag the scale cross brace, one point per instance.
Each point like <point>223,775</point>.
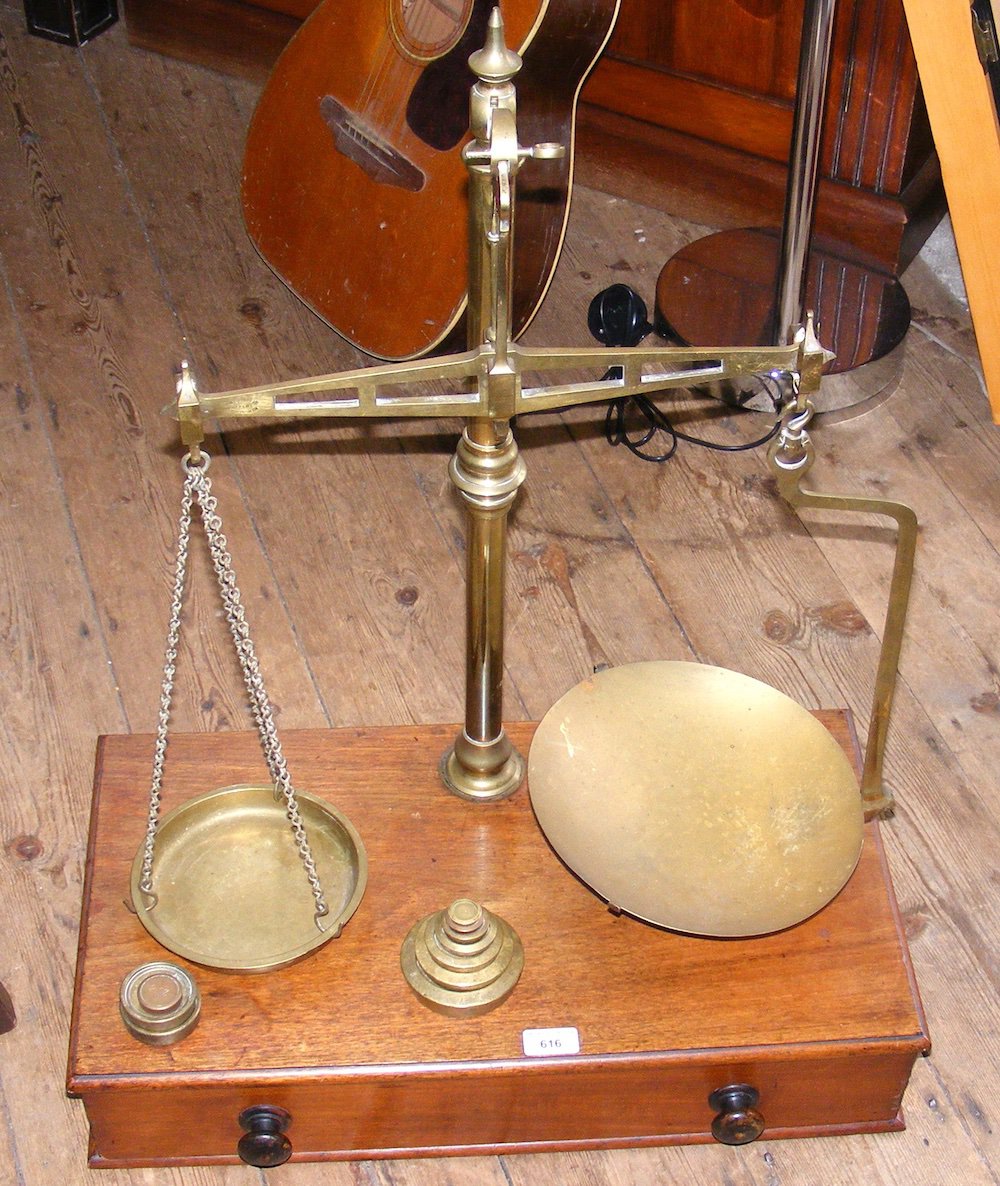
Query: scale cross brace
<point>492,382</point>
<point>374,391</point>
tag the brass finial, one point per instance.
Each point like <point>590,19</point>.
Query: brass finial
<point>462,961</point>
<point>495,62</point>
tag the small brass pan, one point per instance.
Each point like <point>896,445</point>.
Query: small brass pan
<point>231,889</point>
<point>696,798</point>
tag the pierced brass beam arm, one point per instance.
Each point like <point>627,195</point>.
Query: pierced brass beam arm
<point>364,393</point>
<point>368,391</point>
<point>643,371</point>
<point>489,384</point>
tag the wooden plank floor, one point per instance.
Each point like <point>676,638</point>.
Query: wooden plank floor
<point>122,251</point>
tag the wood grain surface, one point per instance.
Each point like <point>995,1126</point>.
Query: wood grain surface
<point>694,114</point>
<point>823,1016</point>
<point>122,251</point>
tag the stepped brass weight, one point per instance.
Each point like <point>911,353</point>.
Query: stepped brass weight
<point>462,961</point>
<point>489,384</point>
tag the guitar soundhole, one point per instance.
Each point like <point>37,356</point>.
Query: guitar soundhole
<point>426,29</point>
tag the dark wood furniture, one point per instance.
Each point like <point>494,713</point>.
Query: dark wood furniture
<point>226,35</point>
<point>823,1019</point>
<point>690,109</point>
<point>70,22</point>
<point>702,106</point>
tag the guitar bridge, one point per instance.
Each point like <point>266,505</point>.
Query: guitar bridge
<point>379,159</point>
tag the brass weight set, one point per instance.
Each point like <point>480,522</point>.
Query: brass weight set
<point>687,796</point>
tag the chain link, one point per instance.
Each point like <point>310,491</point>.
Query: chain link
<point>197,486</point>
<point>167,688</point>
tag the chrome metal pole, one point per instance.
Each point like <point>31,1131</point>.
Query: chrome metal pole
<point>803,170</point>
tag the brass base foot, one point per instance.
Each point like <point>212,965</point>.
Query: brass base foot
<point>881,807</point>
<point>482,771</point>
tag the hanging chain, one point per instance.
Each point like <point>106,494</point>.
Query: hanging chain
<point>167,689</point>
<point>253,679</point>
<point>198,486</point>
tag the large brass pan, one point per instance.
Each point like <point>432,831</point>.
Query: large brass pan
<point>231,890</point>
<point>696,798</point>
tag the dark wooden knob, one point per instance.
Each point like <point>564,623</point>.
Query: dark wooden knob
<point>737,1121</point>
<point>264,1143</point>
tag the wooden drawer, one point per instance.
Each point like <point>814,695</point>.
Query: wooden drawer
<point>416,1111</point>
<point>488,1107</point>
<point>822,1019</point>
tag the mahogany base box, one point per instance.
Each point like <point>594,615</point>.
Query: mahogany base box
<point>823,1019</point>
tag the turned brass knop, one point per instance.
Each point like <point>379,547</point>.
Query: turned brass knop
<point>462,961</point>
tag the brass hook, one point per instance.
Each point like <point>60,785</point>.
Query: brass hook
<point>189,414</point>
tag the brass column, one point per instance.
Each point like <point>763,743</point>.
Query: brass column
<point>487,469</point>
<point>483,764</point>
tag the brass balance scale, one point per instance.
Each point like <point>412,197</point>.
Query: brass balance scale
<point>479,996</point>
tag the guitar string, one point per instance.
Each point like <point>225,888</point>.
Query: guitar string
<point>381,89</point>
<point>376,92</point>
<point>384,53</point>
<point>415,29</point>
<point>419,28</point>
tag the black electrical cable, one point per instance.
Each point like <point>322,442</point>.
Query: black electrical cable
<point>617,317</point>
<point>616,433</point>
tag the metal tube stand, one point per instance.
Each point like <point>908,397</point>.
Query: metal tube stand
<point>747,285</point>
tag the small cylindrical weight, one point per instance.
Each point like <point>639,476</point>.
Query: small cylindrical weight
<point>159,1003</point>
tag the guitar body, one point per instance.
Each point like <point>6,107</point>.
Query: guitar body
<point>354,190</point>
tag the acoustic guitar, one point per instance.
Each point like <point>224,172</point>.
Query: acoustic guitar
<point>354,189</point>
